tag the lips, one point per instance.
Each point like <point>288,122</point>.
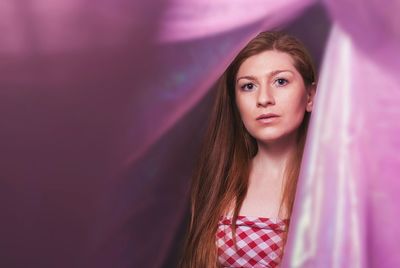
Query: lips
<point>266,116</point>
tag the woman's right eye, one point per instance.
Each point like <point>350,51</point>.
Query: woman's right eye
<point>247,87</point>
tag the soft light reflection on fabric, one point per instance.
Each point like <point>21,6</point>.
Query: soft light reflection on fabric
<point>337,221</point>
<point>332,234</point>
<point>194,19</point>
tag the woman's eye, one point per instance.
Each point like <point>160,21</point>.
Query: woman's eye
<point>280,82</point>
<point>247,87</point>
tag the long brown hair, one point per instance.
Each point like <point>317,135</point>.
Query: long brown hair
<point>221,177</point>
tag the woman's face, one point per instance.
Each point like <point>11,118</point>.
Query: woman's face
<point>271,96</point>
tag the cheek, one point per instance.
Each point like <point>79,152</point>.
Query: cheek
<point>296,108</point>
<point>246,113</point>
<point>244,107</point>
<point>297,101</point>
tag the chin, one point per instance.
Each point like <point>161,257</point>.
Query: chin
<point>271,136</point>
<point>267,138</point>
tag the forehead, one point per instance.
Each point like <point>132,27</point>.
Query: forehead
<point>265,62</point>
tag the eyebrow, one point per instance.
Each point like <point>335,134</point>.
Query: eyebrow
<point>253,78</point>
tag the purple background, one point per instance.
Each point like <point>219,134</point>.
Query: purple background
<point>103,107</point>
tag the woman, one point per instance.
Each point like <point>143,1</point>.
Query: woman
<point>244,187</point>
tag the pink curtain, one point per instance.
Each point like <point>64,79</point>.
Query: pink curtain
<point>103,106</point>
<point>346,208</point>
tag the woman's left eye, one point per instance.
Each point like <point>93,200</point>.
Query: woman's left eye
<point>281,82</point>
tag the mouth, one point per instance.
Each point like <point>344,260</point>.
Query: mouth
<point>266,116</point>
<point>266,119</point>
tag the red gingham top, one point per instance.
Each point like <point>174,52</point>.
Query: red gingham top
<point>259,242</point>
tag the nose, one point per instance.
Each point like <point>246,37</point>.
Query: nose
<point>265,97</point>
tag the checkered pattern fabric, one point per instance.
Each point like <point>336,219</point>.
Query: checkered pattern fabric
<point>259,242</point>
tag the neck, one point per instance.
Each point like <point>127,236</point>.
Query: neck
<point>272,158</point>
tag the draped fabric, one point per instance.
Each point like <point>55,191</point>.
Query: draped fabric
<point>103,106</point>
<point>346,205</point>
